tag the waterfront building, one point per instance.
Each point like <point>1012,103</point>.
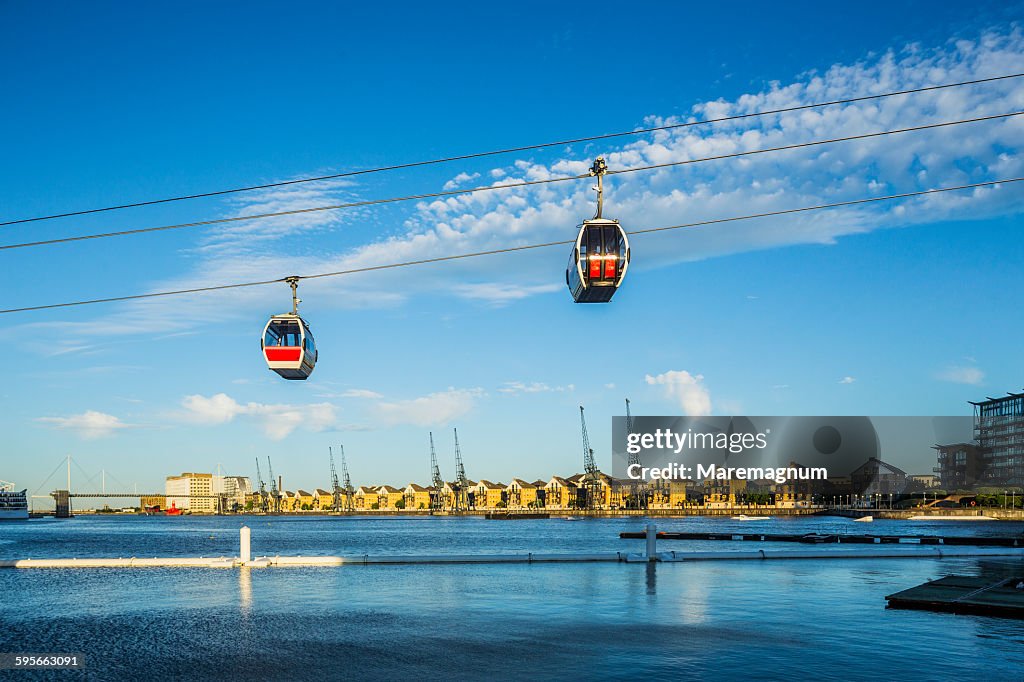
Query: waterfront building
<point>609,494</point>
<point>323,499</point>
<point>926,480</point>
<point>519,493</point>
<point>388,497</point>
<point>234,489</point>
<point>541,492</point>
<point>875,477</point>
<point>366,496</point>
<point>959,466</point>
<point>659,494</point>
<point>489,495</point>
<point>560,493</point>
<point>999,432</point>
<point>676,494</point>
<point>304,500</point>
<point>417,496</point>
<point>153,502</point>
<point>191,491</point>
<point>449,491</point>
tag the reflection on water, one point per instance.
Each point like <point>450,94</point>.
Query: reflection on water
<point>245,590</point>
<point>807,619</point>
<point>652,577</point>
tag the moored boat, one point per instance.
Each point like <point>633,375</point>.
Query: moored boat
<point>13,503</point>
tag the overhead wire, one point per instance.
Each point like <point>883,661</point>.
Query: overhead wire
<point>485,188</point>
<point>512,249</point>
<point>512,150</point>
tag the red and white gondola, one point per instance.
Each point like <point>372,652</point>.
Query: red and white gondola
<point>287,343</point>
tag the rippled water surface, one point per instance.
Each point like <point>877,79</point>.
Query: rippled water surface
<point>810,619</point>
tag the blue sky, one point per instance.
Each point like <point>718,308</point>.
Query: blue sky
<point>902,308</point>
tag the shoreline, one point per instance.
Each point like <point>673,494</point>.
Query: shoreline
<point>878,514</point>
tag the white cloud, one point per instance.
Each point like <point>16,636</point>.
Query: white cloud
<point>276,420</point>
<point>609,386</point>
<point>501,293</point>
<point>360,393</point>
<point>847,380</point>
<point>88,425</point>
<point>514,387</point>
<point>962,375</point>
<point>460,179</point>
<point>436,409</point>
<point>686,389</point>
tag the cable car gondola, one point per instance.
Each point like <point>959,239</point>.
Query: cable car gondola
<point>287,342</point>
<point>600,257</point>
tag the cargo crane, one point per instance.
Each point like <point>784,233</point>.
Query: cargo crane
<point>591,475</point>
<point>638,492</point>
<point>263,487</point>
<point>346,484</point>
<point>437,498</point>
<point>275,494</point>
<point>336,488</point>
<point>461,501</point>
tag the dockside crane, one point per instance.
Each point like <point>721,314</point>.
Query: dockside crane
<point>336,489</point>
<point>638,492</point>
<point>461,501</point>
<point>275,494</point>
<point>263,487</point>
<point>346,483</point>
<point>437,498</point>
<point>591,474</point>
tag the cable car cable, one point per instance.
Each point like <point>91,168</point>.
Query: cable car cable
<point>512,150</point>
<point>485,188</point>
<point>815,143</point>
<point>527,247</point>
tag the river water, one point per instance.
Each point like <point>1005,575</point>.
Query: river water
<point>811,619</point>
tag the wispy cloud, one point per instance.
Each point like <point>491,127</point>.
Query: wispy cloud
<point>435,409</point>
<point>969,375</point>
<point>88,425</point>
<point>360,393</point>
<point>515,387</point>
<point>847,380</point>
<point>247,236</point>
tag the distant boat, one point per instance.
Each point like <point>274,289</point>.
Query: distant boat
<point>172,510</point>
<point>865,519</point>
<point>744,517</point>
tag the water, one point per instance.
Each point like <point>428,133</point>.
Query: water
<point>774,619</point>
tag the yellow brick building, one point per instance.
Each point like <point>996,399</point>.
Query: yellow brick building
<point>417,497</point>
<point>521,494</point>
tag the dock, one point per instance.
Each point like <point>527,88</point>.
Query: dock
<point>840,538</point>
<point>509,516</point>
<point>246,559</point>
<point>965,595</point>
